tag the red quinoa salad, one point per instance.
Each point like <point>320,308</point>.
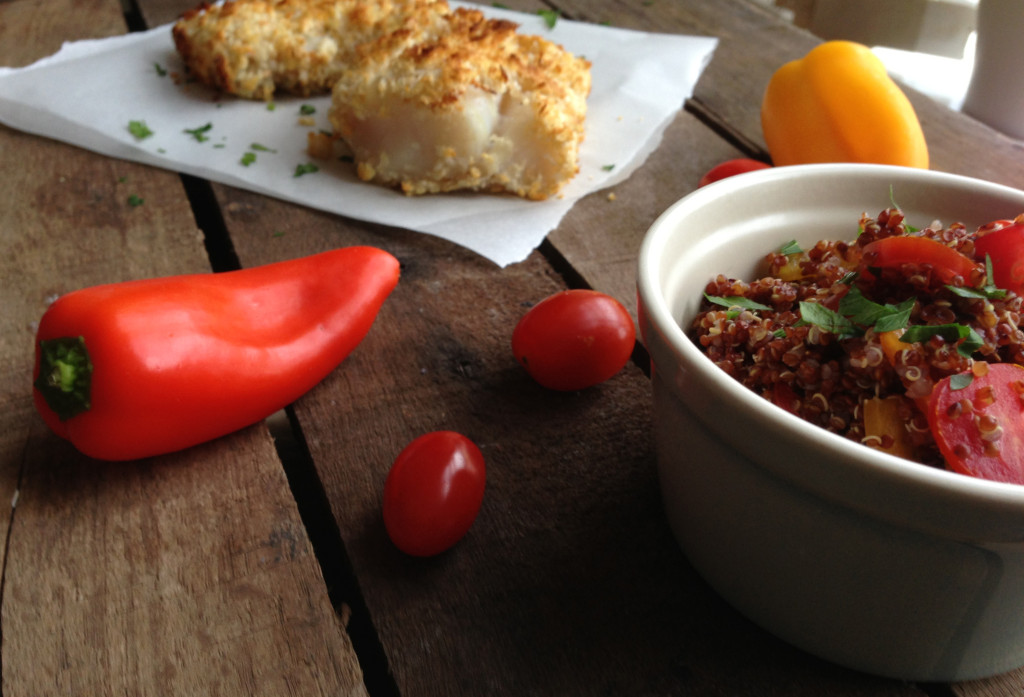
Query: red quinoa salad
<point>906,340</point>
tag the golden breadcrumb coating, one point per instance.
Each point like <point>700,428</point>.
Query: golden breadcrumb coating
<point>464,103</point>
<point>251,48</point>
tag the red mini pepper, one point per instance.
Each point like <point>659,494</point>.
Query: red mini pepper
<point>140,368</point>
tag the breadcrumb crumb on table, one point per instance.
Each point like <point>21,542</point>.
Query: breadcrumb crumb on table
<point>320,145</point>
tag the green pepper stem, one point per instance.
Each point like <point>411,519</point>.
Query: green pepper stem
<point>65,376</point>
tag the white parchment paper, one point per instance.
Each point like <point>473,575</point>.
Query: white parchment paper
<point>88,92</point>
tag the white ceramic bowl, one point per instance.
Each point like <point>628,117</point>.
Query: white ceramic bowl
<point>864,559</point>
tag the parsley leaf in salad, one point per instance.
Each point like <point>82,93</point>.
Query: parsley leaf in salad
<point>790,247</point>
<point>868,313</point>
<point>736,301</point>
<point>960,381</point>
<point>970,340</point>
<point>829,320</point>
<point>989,291</point>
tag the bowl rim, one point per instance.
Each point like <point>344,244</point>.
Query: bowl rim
<point>654,310</point>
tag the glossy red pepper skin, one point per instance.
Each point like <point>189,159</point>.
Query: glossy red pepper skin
<point>182,360</point>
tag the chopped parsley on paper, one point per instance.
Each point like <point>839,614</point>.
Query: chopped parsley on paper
<point>139,129</point>
<point>200,133</point>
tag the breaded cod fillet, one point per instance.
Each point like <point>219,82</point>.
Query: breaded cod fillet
<point>464,103</point>
<point>250,48</point>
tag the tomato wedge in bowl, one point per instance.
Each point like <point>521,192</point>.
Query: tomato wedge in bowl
<point>1003,245</point>
<point>978,421</point>
<point>852,554</point>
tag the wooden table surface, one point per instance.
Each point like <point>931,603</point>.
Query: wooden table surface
<point>258,564</point>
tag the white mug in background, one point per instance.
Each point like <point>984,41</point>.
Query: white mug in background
<point>995,94</point>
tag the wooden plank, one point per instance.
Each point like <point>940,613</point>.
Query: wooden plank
<point>601,235</point>
<point>754,42</point>
<point>729,94</point>
<point>187,574</point>
<point>570,582</point>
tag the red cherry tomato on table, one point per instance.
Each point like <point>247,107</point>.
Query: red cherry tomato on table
<point>433,493</point>
<point>1003,242</point>
<point>574,339</point>
<point>731,168</point>
<point>977,426</point>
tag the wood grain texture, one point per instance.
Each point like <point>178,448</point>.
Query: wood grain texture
<point>569,583</point>
<point>192,574</point>
<point>187,574</point>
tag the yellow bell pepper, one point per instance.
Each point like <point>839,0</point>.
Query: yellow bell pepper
<point>882,418</point>
<point>838,104</point>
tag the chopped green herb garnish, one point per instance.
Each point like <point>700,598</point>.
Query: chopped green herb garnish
<point>790,247</point>
<point>200,133</point>
<point>139,129</point>
<point>271,106</point>
<point>550,17</point>
<point>829,320</point>
<point>248,158</point>
<point>608,168</point>
<point>307,109</point>
<point>897,317</point>
<point>736,301</point>
<point>308,168</point>
<point>261,148</point>
<point>892,200</point>
<point>160,70</point>
<point>135,201</point>
<point>985,293</point>
<point>990,291</point>
<point>868,313</point>
<point>960,381</point>
<point>970,340</point>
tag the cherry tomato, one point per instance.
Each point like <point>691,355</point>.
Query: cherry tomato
<point>977,427</point>
<point>731,168</point>
<point>574,339</point>
<point>433,493</point>
<point>1003,242</point>
<point>946,262</point>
